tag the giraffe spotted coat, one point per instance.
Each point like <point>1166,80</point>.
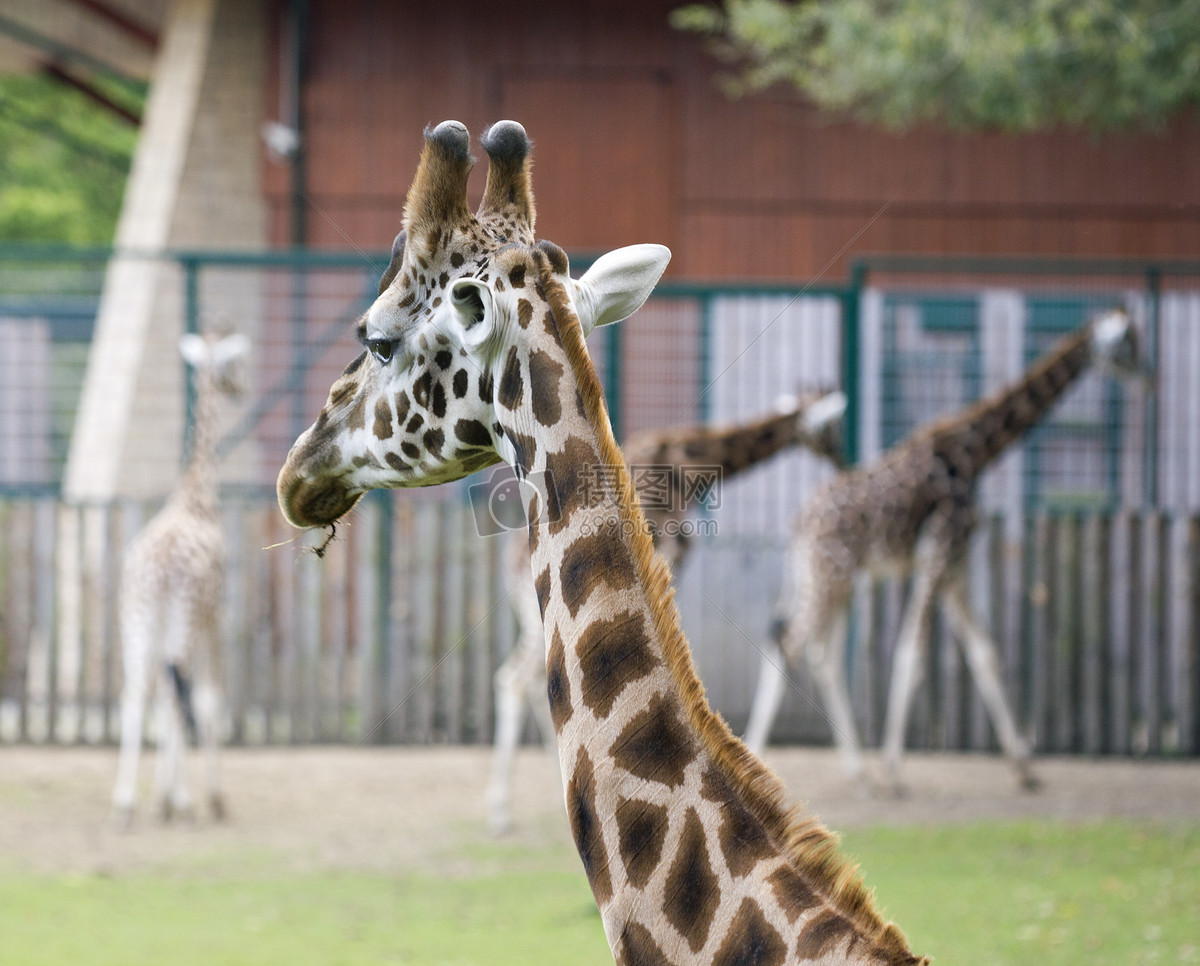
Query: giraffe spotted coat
<point>664,464</point>
<point>691,851</point>
<point>171,584</point>
<point>912,511</point>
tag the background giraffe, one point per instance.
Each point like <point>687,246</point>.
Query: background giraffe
<point>171,588</point>
<point>912,511</point>
<point>659,460</point>
<point>691,852</point>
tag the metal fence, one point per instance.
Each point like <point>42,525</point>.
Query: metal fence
<point>1086,570</point>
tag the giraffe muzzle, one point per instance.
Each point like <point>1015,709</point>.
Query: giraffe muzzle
<point>316,503</point>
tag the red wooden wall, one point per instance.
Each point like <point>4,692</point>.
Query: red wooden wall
<point>635,142</point>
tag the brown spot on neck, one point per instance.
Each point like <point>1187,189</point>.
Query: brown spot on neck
<point>512,383</point>
<point>656,744</point>
<point>611,654</point>
<point>601,558</point>
<point>573,481</point>
<point>638,948</point>
<point>587,829</point>
<point>558,684</point>
<point>693,892</point>
<point>751,940</point>
<point>641,831</point>
<point>545,373</point>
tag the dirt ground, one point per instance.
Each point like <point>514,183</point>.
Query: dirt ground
<point>422,810</point>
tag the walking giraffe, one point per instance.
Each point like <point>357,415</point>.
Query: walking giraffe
<point>666,465</point>
<point>912,511</point>
<point>170,606</point>
<point>475,353</point>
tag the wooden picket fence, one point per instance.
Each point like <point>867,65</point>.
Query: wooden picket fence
<point>394,634</point>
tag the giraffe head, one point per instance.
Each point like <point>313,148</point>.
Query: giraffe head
<point>1115,348</point>
<point>821,416</point>
<point>217,360</point>
<point>462,291</point>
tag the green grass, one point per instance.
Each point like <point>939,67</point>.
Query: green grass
<point>1044,893</point>
<point>332,920</point>
<point>1040,892</point>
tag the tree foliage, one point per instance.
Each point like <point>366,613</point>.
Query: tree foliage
<point>63,163</point>
<point>1017,65</point>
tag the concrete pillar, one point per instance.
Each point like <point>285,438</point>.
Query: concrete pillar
<point>195,182</point>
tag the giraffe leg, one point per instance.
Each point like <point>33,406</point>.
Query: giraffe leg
<point>772,682</point>
<point>519,682</point>
<point>171,763</point>
<point>166,753</point>
<point>209,707</point>
<point>982,659</point>
<point>826,656</point>
<point>510,701</point>
<point>787,632</point>
<point>134,694</point>
<point>208,719</point>
<point>907,667</point>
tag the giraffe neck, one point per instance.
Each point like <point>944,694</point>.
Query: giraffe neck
<point>689,849</point>
<point>197,487</point>
<point>733,448</point>
<point>976,437</point>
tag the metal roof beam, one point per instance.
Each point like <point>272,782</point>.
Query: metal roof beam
<point>58,52</point>
<point>121,20</point>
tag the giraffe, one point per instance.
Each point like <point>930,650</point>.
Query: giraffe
<point>912,511</point>
<point>474,353</point>
<point>660,461</point>
<point>170,604</point>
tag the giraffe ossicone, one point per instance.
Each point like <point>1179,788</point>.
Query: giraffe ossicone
<point>474,353</point>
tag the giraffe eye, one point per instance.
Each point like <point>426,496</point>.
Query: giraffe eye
<point>381,349</point>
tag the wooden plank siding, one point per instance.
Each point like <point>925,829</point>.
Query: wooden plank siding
<point>635,142</point>
<point>395,634</point>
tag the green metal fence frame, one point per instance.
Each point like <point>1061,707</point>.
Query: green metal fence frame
<point>1150,270</point>
<point>194,261</point>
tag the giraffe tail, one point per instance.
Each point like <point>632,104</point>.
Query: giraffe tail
<point>183,694</point>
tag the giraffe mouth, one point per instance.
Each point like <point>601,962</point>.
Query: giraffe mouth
<point>318,503</point>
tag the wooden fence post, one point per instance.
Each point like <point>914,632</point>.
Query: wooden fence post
<point>1189,724</point>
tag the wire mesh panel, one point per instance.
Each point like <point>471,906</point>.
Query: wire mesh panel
<point>1084,568</point>
<point>1177,402</point>
<point>940,353</point>
<point>307,338</point>
<point>1074,574</point>
<point>763,349</point>
<point>48,304</point>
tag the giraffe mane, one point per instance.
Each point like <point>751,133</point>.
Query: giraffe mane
<point>803,839</point>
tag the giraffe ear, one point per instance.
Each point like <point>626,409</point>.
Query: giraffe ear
<point>229,348</point>
<point>474,311</point>
<point>194,349</point>
<point>618,283</point>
